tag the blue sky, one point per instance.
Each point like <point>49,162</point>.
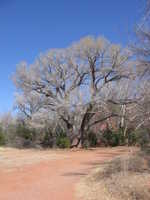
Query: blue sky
<point>29,27</point>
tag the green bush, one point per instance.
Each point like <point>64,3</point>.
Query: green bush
<point>48,139</point>
<point>92,139</point>
<point>122,138</point>
<point>25,137</point>
<point>143,137</point>
<point>109,138</point>
<point>112,138</point>
<point>2,137</point>
<point>132,138</point>
<point>105,137</point>
<point>115,140</point>
<point>63,142</point>
<point>25,133</point>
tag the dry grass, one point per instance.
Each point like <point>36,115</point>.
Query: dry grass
<point>129,186</point>
<point>124,178</point>
<point>11,158</point>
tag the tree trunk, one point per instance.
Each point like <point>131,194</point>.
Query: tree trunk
<point>77,144</point>
<point>82,138</point>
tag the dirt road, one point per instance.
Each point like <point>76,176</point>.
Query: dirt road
<point>47,175</point>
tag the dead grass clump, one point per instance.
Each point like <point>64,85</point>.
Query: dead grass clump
<point>128,178</point>
<point>129,186</point>
<point>133,163</point>
<point>124,178</point>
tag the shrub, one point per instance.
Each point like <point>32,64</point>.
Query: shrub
<point>129,175</point>
<point>63,142</point>
<point>25,136</point>
<point>123,178</point>
<point>86,144</point>
<point>2,137</point>
<point>48,139</point>
<point>115,140</point>
<point>112,138</point>
<point>122,138</point>
<point>92,138</point>
<point>140,137</point>
<point>132,138</point>
<point>143,137</point>
<point>132,163</point>
<point>106,137</point>
<point>128,186</point>
<point>23,132</point>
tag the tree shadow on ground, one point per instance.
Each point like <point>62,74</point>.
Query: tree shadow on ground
<point>75,174</point>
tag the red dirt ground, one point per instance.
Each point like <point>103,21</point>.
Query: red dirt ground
<point>49,174</point>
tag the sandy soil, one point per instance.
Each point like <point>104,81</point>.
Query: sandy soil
<point>47,174</point>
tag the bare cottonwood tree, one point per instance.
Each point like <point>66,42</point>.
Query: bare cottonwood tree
<point>141,50</point>
<point>142,46</point>
<point>75,83</point>
<point>6,119</point>
<point>28,103</point>
<point>140,115</point>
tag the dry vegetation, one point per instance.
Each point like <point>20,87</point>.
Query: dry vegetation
<point>124,178</point>
<point>11,158</point>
